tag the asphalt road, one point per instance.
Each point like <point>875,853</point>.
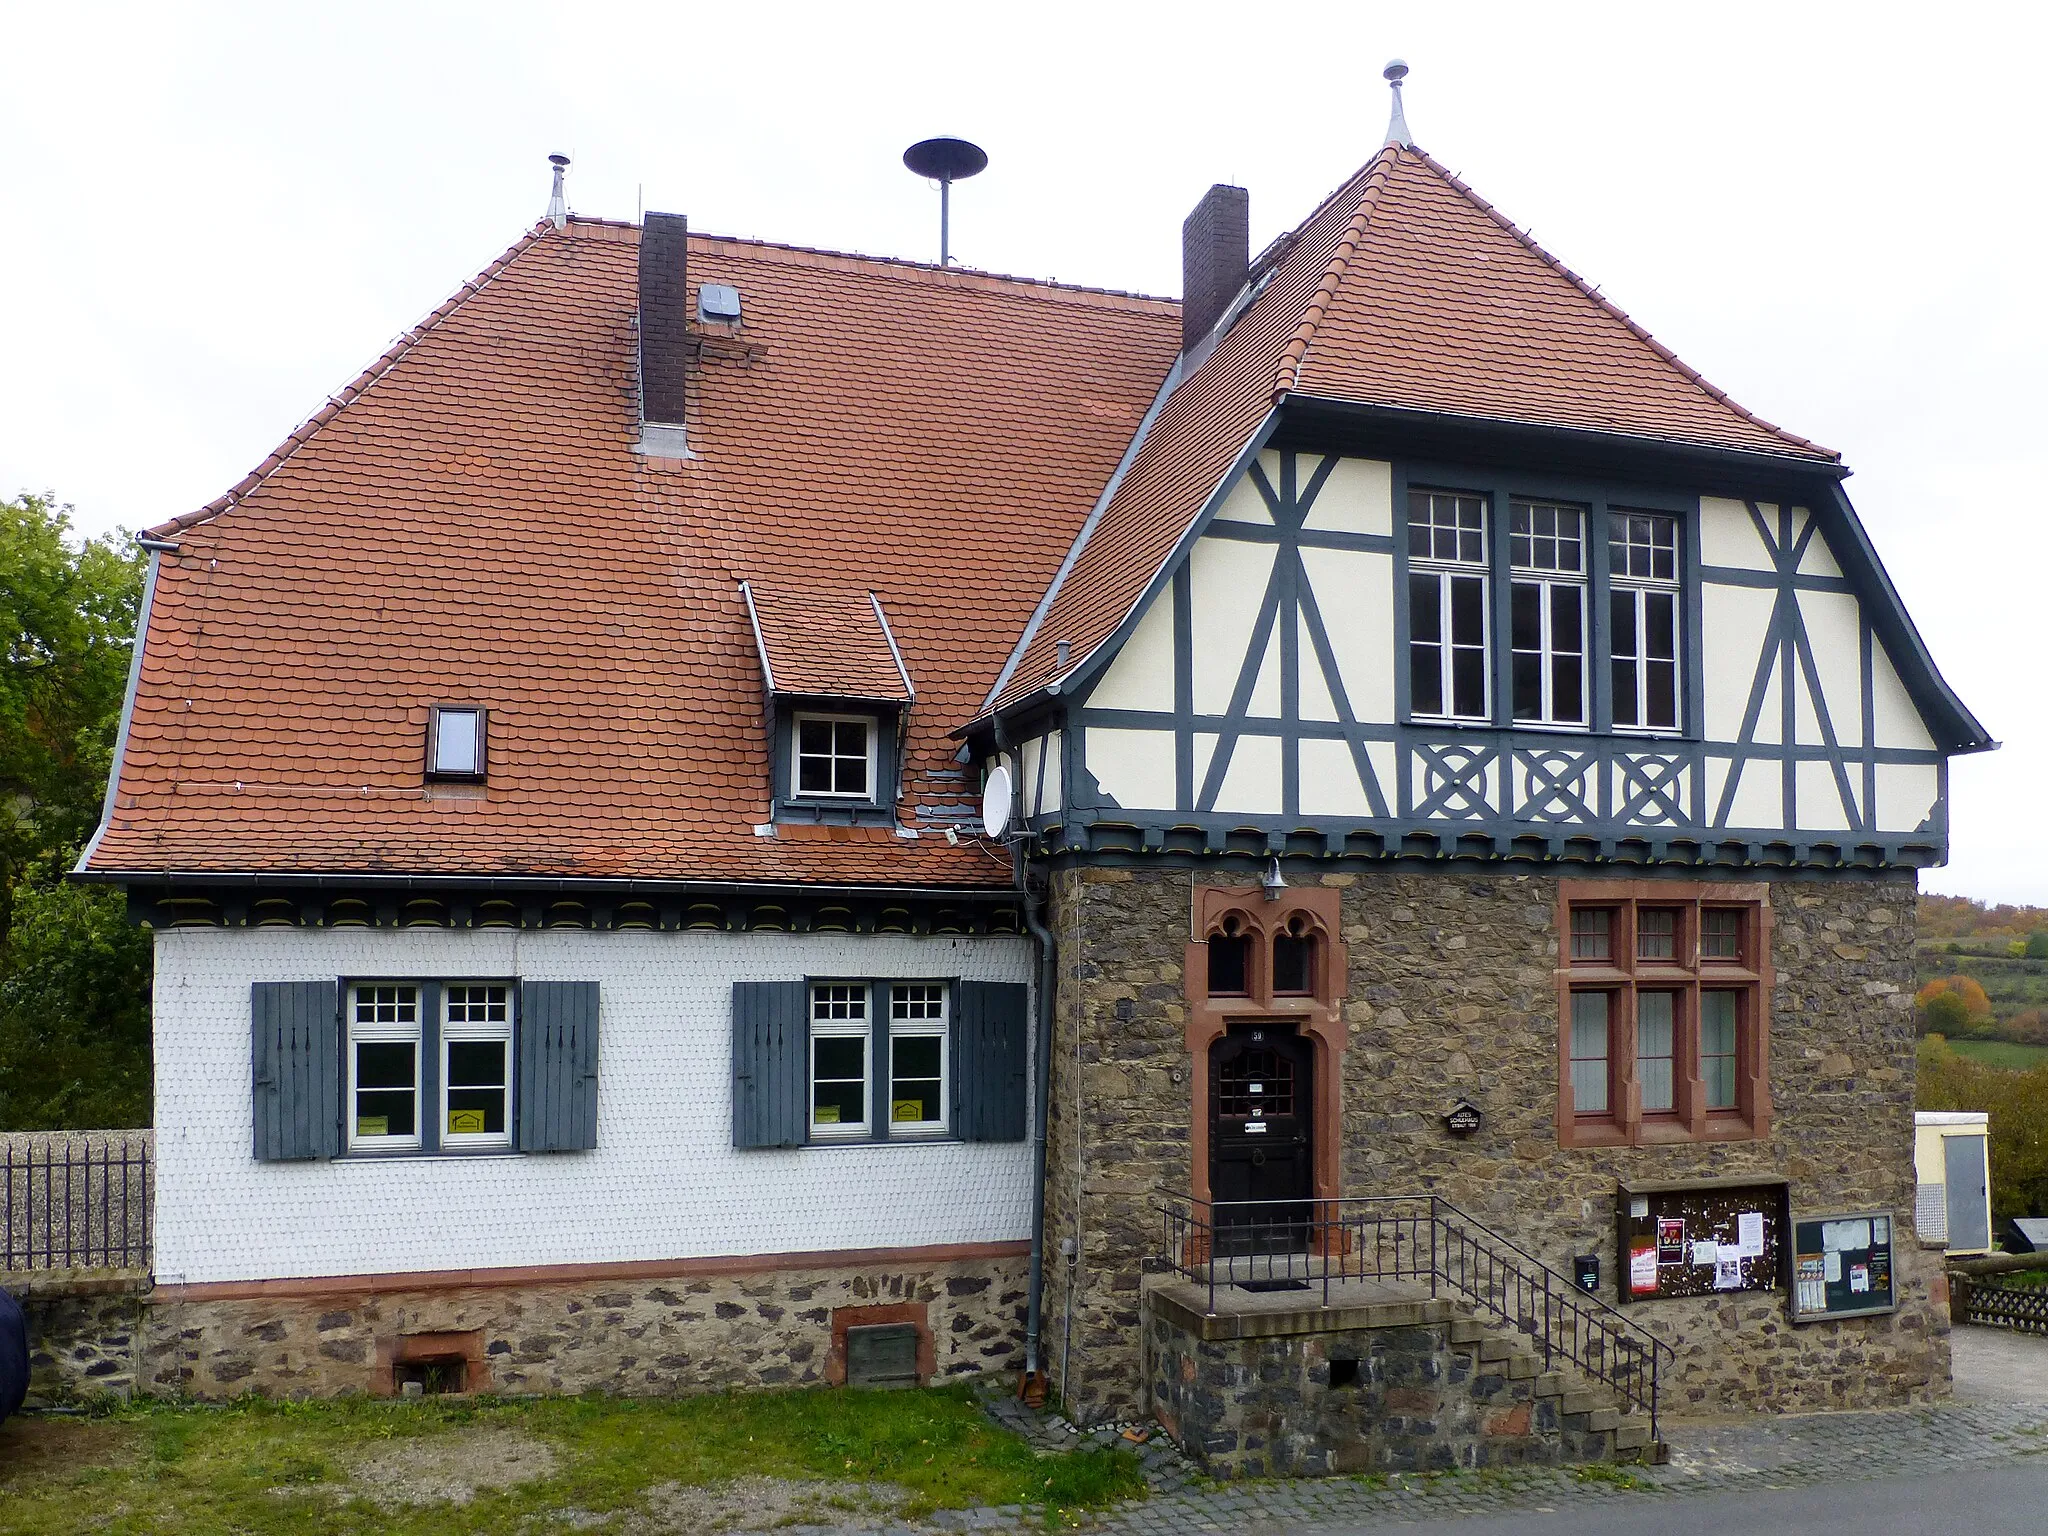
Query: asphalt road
<point>2005,1500</point>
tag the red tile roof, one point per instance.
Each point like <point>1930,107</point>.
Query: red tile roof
<point>1403,289</point>
<point>833,643</point>
<point>468,524</point>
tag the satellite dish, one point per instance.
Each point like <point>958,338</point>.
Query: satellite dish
<point>946,161</point>
<point>998,800</point>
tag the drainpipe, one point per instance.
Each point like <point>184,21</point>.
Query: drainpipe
<point>1033,1385</point>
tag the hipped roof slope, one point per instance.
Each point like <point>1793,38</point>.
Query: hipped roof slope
<point>468,524</point>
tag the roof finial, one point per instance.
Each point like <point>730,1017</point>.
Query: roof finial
<point>1397,125</point>
<point>558,209</point>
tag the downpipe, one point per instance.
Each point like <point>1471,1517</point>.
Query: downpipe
<point>1033,1387</point>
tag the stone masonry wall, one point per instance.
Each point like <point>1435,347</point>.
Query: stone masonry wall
<point>641,1337</point>
<point>1452,993</point>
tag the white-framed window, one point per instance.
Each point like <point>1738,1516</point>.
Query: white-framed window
<point>832,757</point>
<point>476,1065</point>
<point>839,1060</point>
<point>918,1058</point>
<point>1547,640</point>
<point>1643,570</point>
<point>383,1068</point>
<point>455,743</point>
<point>1448,622</point>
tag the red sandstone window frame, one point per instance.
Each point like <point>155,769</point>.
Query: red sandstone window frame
<point>1624,974</point>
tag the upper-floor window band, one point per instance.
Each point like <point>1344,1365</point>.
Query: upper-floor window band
<point>1447,606</point>
<point>1643,619</point>
<point>1547,551</point>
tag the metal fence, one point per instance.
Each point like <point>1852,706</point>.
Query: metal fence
<point>76,1199</point>
<point>1312,1245</point>
<point>2019,1307</point>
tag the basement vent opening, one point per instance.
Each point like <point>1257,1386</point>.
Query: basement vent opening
<point>431,1376</point>
<point>1343,1373</point>
<point>882,1355</point>
<point>1272,1285</point>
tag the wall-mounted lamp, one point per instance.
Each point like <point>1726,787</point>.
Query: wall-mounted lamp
<point>1271,882</point>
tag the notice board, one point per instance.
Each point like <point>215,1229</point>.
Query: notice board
<point>1706,1238</point>
<point>1842,1266</point>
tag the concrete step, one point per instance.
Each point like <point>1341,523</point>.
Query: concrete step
<point>1498,1348</point>
<point>1597,1420</point>
<point>1469,1330</point>
<point>1551,1384</point>
<point>1524,1368</point>
<point>1631,1435</point>
<point>1585,1400</point>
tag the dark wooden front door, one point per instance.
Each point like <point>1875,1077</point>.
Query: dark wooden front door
<point>1261,1137</point>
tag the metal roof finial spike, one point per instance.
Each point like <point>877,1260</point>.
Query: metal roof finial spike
<point>1397,125</point>
<point>558,207</point>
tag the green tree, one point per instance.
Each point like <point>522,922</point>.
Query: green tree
<point>74,977</point>
<point>2037,944</point>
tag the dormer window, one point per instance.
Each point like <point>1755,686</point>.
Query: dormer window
<point>834,756</point>
<point>455,743</point>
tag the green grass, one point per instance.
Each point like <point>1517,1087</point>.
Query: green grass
<point>2001,1053</point>
<point>259,1467</point>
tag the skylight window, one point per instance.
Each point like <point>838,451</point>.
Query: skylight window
<point>455,744</point>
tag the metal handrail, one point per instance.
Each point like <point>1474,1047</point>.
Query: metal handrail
<point>1291,1244</point>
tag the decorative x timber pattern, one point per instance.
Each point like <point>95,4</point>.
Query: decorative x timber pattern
<point>1290,599</point>
<point>1651,787</point>
<point>1554,785</point>
<point>1453,782</point>
<point>1788,652</point>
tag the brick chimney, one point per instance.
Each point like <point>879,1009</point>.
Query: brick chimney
<point>1215,255</point>
<point>664,309</point>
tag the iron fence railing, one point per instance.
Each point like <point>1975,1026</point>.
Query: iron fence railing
<point>1313,1245</point>
<point>76,1200</point>
<point>2022,1308</point>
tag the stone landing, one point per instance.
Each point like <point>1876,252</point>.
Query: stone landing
<point>1382,1378</point>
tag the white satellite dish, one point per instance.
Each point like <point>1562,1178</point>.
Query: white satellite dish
<point>998,800</point>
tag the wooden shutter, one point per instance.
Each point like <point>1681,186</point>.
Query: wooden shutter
<point>771,1069</point>
<point>991,1021</point>
<point>556,1042</point>
<point>294,1069</point>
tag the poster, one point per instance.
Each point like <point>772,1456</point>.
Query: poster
<point>1811,1285</point>
<point>1642,1269</point>
<point>1834,1266</point>
<point>1670,1240</point>
<point>1704,1253</point>
<point>1859,1277</point>
<point>1728,1270</point>
<point>1749,1240</point>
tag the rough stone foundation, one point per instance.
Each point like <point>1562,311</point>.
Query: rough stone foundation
<point>1452,993</point>
<point>688,1332</point>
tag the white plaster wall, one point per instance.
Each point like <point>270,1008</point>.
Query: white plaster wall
<point>1729,537</point>
<point>1733,624</point>
<point>1244,503</point>
<point>1141,676</point>
<point>1228,582</point>
<point>1134,768</point>
<point>1354,593</point>
<point>1358,497</point>
<point>1251,783</point>
<point>1834,628</point>
<point>1330,785</point>
<point>664,1181</point>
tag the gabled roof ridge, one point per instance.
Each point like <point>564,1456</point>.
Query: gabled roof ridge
<point>956,276</point>
<point>1686,370</point>
<point>1375,177</point>
<point>353,391</point>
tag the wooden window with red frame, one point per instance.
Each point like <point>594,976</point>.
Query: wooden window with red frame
<point>1664,1009</point>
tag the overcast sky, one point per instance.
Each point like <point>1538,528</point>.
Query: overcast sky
<point>223,212</point>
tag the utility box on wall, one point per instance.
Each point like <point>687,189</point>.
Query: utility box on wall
<point>1952,1165</point>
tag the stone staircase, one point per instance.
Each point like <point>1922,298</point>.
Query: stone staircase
<point>1592,1422</point>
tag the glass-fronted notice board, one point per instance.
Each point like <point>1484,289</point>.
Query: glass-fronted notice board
<point>1701,1238</point>
<point>1842,1266</point>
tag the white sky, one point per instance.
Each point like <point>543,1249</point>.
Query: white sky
<point>223,212</point>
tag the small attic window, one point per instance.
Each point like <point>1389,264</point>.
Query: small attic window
<point>718,303</point>
<point>455,743</point>
<point>835,757</point>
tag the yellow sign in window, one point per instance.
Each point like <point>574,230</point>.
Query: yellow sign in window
<point>465,1122</point>
<point>907,1109</point>
<point>373,1125</point>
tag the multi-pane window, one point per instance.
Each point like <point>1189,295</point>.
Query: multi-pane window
<point>917,1057</point>
<point>384,1067</point>
<point>476,1067</point>
<point>1447,606</point>
<point>834,756</point>
<point>1662,1009</point>
<point>1547,638</point>
<point>839,1059</point>
<point>1643,572</point>
<point>1591,1049</point>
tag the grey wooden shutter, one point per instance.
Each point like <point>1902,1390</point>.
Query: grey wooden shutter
<point>294,1069</point>
<point>991,1021</point>
<point>771,1070</point>
<point>557,1048</point>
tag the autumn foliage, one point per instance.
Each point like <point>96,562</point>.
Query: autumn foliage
<point>1952,1005</point>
